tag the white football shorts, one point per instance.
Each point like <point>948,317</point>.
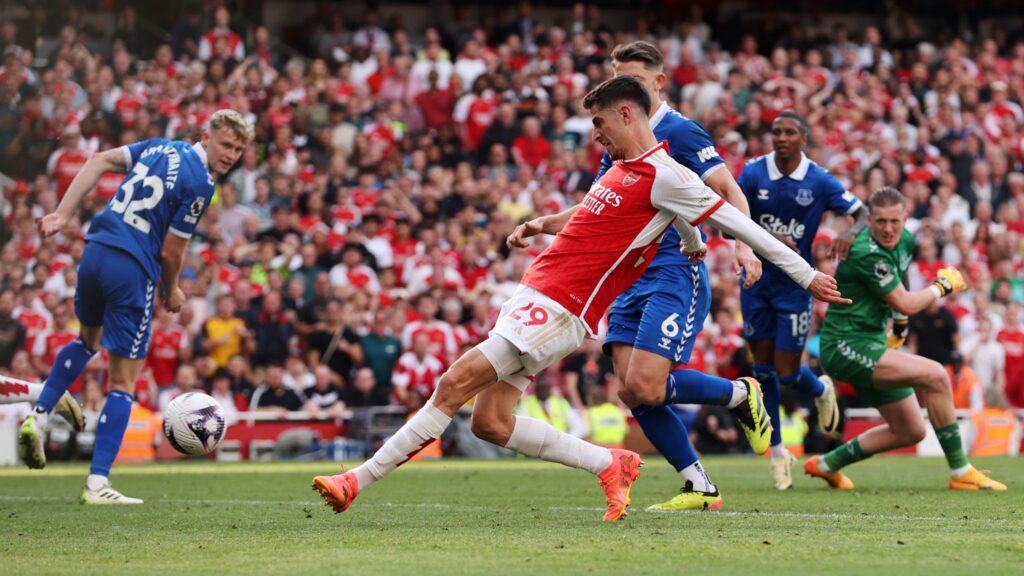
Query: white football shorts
<point>541,332</point>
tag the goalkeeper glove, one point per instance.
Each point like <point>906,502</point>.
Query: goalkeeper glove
<point>900,327</point>
<point>949,281</point>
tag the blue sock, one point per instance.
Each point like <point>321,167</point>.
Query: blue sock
<point>668,434</point>
<point>68,366</point>
<point>110,431</point>
<point>765,374</point>
<point>687,386</point>
<point>809,382</point>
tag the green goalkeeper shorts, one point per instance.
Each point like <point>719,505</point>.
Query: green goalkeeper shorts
<point>852,359</point>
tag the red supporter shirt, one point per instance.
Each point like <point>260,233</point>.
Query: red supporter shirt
<point>34,323</point>
<point>412,373</point>
<point>127,107</point>
<point>479,118</point>
<point>64,165</point>
<point>609,242</point>
<point>477,333</point>
<point>440,334</point>
<point>109,184</point>
<point>724,347</point>
<point>165,348</point>
<point>534,152</point>
<point>48,344</point>
<point>1013,342</point>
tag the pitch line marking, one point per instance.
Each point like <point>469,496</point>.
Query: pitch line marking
<point>439,506</point>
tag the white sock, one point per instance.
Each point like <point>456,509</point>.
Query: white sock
<point>539,439</point>
<point>823,466</point>
<point>779,451</point>
<point>13,391</point>
<point>958,473</point>
<point>827,387</point>
<point>739,393</point>
<point>95,481</point>
<point>695,473</point>
<point>429,423</point>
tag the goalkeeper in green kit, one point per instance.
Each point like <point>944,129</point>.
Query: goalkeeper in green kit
<point>856,349</point>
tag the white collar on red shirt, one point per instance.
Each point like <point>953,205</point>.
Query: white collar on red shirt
<point>798,174</point>
<point>663,145</point>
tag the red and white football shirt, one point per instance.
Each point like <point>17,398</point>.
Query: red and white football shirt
<point>440,334</point>
<point>64,165</point>
<point>610,240</point>
<point>166,347</point>
<point>412,372</point>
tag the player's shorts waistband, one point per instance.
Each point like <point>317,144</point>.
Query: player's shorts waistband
<point>102,247</point>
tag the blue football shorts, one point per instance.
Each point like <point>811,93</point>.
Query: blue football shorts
<point>782,315</point>
<point>662,312</point>
<point>114,292</point>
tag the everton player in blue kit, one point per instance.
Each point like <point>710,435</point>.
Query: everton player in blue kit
<point>135,249</point>
<point>788,195</point>
<point>653,325</point>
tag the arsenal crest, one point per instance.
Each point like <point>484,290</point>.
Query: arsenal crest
<point>630,179</point>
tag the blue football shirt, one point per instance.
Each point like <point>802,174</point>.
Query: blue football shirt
<point>167,189</point>
<point>689,145</point>
<point>791,206</point>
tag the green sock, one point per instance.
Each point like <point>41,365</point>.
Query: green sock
<point>845,455</point>
<point>952,446</point>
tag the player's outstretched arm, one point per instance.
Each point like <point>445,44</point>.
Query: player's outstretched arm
<point>109,161</point>
<point>949,281</point>
<point>731,221</point>
<point>550,224</point>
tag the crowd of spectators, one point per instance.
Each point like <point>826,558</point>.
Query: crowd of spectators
<point>359,246</point>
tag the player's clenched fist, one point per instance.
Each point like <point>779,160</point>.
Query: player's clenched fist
<point>824,288</point>
<point>174,300</point>
<point>950,280</point>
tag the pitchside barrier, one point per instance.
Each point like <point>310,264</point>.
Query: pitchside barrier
<point>265,436</point>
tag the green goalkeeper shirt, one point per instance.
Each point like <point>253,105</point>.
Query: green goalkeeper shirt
<point>866,276</point>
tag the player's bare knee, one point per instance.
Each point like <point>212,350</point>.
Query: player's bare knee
<point>453,388</point>
<point>646,390</point>
<point>628,398</point>
<point>936,380</point>
<point>914,433</point>
<point>492,428</point>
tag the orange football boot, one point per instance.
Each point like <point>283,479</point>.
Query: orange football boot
<point>338,491</point>
<point>836,480</point>
<point>617,479</point>
<point>975,480</point>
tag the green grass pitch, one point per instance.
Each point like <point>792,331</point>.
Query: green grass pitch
<point>510,517</point>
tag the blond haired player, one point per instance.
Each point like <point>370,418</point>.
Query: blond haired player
<point>135,248</point>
